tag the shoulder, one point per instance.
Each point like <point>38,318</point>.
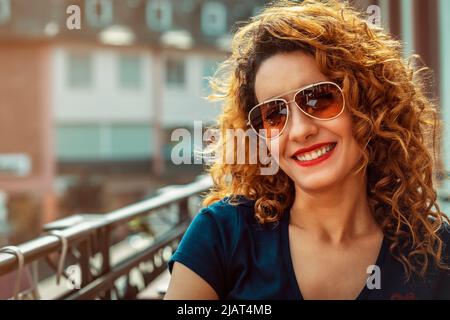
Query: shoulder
<point>444,231</point>
<point>443,286</point>
<point>230,211</point>
<point>208,243</point>
<point>444,234</point>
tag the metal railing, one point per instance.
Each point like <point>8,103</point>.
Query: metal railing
<point>86,237</point>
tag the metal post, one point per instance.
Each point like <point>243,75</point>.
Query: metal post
<point>444,8</point>
<point>157,79</point>
<point>183,210</point>
<point>85,255</point>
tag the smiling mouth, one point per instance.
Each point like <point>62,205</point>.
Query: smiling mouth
<point>315,154</point>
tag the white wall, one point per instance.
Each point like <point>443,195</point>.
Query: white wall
<point>104,101</point>
<point>184,106</point>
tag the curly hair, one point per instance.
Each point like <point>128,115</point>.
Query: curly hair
<point>394,123</point>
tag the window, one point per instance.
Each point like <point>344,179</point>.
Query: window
<point>130,72</point>
<point>5,11</point>
<point>78,142</point>
<point>130,141</point>
<point>99,13</point>
<point>175,73</point>
<point>159,14</point>
<point>214,18</point>
<point>79,70</point>
<point>103,141</point>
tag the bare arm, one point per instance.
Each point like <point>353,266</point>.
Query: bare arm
<point>185,284</point>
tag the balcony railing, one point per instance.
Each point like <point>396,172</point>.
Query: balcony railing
<point>94,246</point>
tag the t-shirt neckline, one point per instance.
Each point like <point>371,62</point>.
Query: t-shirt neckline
<point>294,287</point>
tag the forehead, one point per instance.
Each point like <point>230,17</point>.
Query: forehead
<point>284,72</point>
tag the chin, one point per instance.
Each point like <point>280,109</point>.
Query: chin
<point>315,187</point>
<point>315,183</point>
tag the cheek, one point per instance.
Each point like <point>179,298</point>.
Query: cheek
<point>354,151</point>
<point>343,127</point>
<point>349,133</point>
<point>346,125</point>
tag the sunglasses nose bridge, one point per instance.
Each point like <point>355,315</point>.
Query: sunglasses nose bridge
<point>300,113</point>
<point>299,124</point>
<point>294,102</point>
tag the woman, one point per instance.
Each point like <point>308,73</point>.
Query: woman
<point>349,214</point>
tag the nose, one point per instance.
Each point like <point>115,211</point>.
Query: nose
<point>300,127</point>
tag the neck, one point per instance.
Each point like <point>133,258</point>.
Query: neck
<point>338,214</point>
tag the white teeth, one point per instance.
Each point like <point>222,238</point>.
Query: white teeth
<point>315,154</point>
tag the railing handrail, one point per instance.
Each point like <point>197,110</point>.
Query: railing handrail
<point>104,281</point>
<point>176,194</point>
<point>46,244</point>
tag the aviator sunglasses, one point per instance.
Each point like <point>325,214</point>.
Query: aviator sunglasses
<point>321,101</point>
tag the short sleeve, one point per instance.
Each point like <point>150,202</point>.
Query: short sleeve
<point>201,250</point>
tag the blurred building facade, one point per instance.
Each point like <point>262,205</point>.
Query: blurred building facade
<point>105,97</point>
<point>76,102</point>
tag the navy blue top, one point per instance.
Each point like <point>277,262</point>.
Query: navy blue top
<point>242,259</point>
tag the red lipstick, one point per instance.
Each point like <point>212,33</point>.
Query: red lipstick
<point>309,163</point>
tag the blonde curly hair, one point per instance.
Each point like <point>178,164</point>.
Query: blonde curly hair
<point>395,124</point>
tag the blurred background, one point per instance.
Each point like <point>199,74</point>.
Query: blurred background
<point>86,114</point>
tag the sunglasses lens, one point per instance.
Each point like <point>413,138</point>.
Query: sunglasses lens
<point>269,118</point>
<point>323,101</point>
